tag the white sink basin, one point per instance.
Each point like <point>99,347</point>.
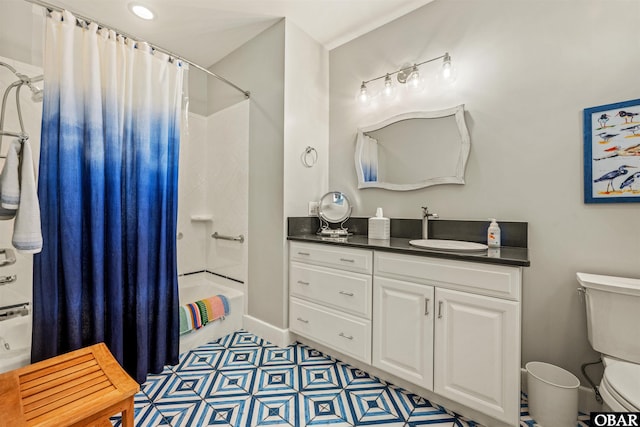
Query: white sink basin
<point>448,245</point>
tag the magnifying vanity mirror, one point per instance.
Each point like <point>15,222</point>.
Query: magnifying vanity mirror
<point>413,150</point>
<point>334,208</point>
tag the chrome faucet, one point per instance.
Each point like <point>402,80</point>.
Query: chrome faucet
<point>426,215</point>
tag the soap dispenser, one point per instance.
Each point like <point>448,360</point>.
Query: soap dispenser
<point>379,226</point>
<point>493,234</point>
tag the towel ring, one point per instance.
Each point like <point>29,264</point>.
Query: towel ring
<point>309,157</point>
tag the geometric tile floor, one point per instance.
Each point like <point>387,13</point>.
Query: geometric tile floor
<point>242,380</point>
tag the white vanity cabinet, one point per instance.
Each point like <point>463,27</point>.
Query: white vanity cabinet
<point>330,296</point>
<point>475,341</point>
<point>449,326</point>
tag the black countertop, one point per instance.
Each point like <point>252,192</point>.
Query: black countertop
<point>503,256</point>
<point>514,238</point>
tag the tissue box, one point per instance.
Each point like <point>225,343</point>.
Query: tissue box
<point>379,228</point>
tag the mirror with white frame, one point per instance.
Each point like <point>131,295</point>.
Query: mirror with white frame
<point>413,150</point>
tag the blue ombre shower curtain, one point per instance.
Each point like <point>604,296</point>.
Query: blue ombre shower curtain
<point>108,195</point>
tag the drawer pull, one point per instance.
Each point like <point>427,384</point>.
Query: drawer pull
<point>349,294</point>
<point>304,253</point>
<point>439,309</point>
<point>303,320</point>
<point>349,337</point>
<point>300,282</point>
<point>426,306</point>
<point>347,260</point>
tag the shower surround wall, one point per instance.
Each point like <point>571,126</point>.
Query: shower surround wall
<point>19,291</point>
<point>192,236</point>
<point>227,176</point>
<point>214,177</point>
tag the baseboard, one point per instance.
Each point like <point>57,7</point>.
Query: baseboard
<point>586,396</point>
<point>273,334</point>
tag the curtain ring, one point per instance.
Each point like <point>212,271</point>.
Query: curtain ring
<point>309,157</point>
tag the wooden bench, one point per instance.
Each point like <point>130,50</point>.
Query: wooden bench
<point>81,388</point>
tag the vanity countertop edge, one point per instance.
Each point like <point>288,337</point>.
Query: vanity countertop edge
<point>510,256</point>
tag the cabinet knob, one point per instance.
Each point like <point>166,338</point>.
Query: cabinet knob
<point>439,309</point>
<point>300,282</point>
<point>347,260</point>
<point>303,320</point>
<point>349,337</point>
<point>349,294</point>
<point>426,306</point>
<point>303,253</point>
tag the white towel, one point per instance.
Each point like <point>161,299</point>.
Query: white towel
<point>10,183</point>
<point>27,233</point>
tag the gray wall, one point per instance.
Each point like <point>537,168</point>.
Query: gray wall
<point>21,32</point>
<point>526,70</point>
<point>258,66</point>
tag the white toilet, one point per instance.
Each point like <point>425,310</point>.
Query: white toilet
<point>613,323</point>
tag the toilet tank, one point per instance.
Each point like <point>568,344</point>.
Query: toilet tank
<point>613,315</point>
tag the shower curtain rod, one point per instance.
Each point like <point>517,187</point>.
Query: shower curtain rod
<point>50,6</point>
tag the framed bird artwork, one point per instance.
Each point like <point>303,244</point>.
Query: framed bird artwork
<point>612,153</point>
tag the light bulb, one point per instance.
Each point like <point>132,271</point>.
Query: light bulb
<point>448,71</point>
<point>363,95</point>
<point>414,78</point>
<point>389,89</point>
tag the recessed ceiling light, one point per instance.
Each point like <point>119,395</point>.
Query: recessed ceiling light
<point>141,11</point>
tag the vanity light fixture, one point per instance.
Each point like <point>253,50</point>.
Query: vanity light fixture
<point>414,78</point>
<point>448,70</point>
<point>363,95</point>
<point>141,11</point>
<point>409,75</point>
<point>389,88</point>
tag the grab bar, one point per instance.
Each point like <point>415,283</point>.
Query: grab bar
<point>12,311</point>
<point>9,257</point>
<point>5,280</point>
<point>7,307</point>
<point>239,238</point>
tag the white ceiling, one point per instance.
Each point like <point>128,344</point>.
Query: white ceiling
<point>205,31</point>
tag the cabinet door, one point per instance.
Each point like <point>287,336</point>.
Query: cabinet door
<point>477,352</point>
<point>403,330</point>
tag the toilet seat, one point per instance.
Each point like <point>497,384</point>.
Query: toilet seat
<point>621,381</point>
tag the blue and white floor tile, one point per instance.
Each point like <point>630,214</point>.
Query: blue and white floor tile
<point>527,421</point>
<point>242,380</point>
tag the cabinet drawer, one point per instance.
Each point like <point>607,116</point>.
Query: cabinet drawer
<point>486,279</point>
<point>358,260</point>
<point>346,334</point>
<point>343,290</point>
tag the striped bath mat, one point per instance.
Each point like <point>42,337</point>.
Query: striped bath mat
<point>197,314</point>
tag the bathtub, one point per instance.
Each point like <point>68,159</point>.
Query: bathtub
<point>194,287</point>
<point>15,343</point>
<point>16,332</point>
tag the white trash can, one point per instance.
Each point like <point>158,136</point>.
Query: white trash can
<point>553,395</point>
